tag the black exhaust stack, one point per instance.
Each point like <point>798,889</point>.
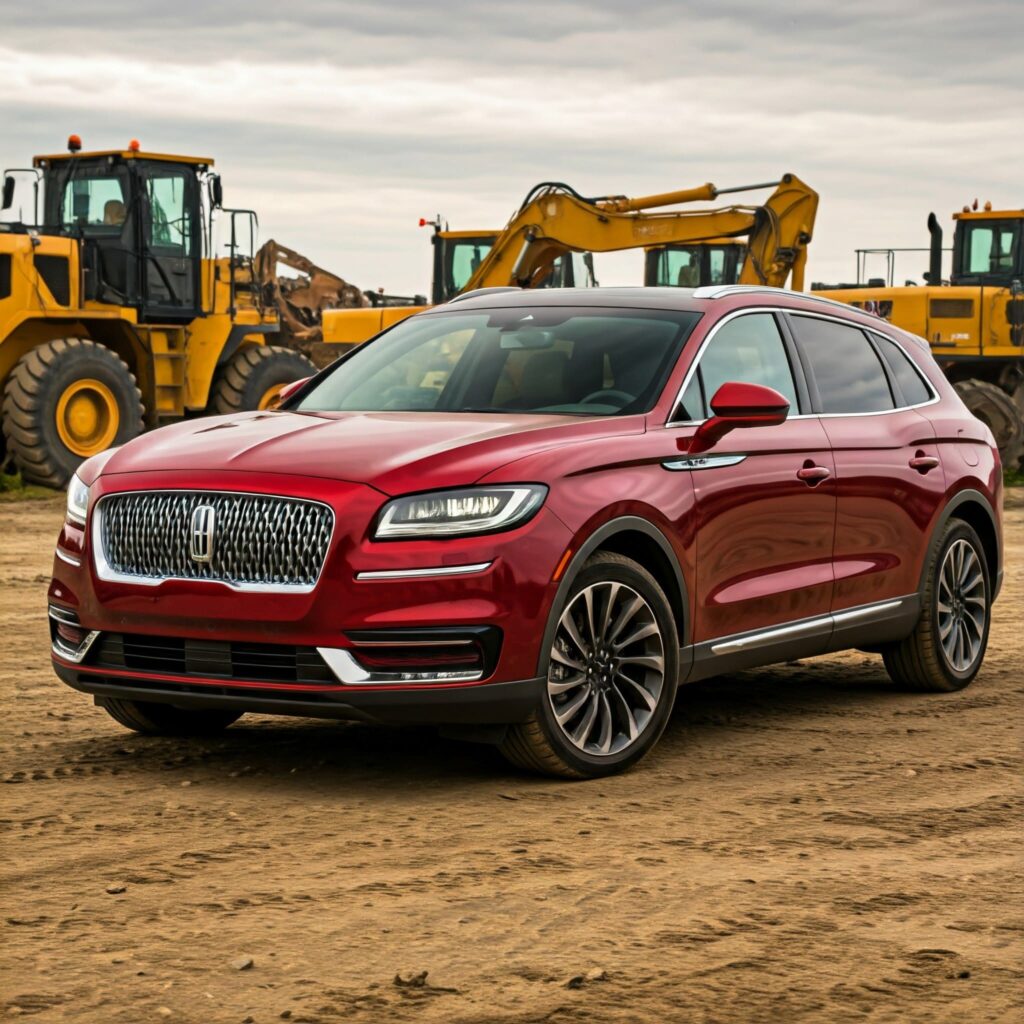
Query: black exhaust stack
<point>934,275</point>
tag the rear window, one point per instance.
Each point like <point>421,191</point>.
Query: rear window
<point>544,359</point>
<point>848,373</point>
<point>908,378</point>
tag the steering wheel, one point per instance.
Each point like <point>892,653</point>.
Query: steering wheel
<point>623,398</point>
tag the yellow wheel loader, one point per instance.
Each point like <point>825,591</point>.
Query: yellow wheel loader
<point>127,299</point>
<point>764,244</point>
<point>973,320</point>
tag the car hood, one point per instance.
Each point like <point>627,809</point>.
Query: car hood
<point>393,452</point>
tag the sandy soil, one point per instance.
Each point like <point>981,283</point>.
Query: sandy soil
<point>804,845</point>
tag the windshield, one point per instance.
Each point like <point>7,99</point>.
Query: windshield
<point>569,361</point>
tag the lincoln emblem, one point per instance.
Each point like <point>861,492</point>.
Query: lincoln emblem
<point>201,534</point>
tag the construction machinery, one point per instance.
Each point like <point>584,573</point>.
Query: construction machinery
<point>555,221</point>
<point>120,310</point>
<point>973,319</point>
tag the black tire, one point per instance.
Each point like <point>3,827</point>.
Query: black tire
<point>165,719</point>
<point>32,399</point>
<point>921,662</point>
<point>251,373</point>
<point>540,744</point>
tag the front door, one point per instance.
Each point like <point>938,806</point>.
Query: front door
<point>765,497</point>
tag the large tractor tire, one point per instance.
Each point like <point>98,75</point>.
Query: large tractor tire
<point>1000,413</point>
<point>254,377</point>
<point>64,401</point>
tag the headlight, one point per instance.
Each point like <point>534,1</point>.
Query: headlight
<point>457,513</point>
<point>78,500</point>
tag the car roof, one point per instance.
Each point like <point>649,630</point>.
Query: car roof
<point>699,300</point>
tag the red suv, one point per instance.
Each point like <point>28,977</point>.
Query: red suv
<point>530,516</point>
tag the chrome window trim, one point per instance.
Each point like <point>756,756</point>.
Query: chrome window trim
<point>349,672</point>
<point>812,314</point>
<point>109,575</point>
<point>433,571</point>
<point>802,628</point>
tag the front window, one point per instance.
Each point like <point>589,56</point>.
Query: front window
<point>88,200</point>
<point>554,360</point>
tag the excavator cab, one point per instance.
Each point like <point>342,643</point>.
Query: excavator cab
<point>689,266</point>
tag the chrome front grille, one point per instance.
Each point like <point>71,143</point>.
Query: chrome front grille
<point>257,542</point>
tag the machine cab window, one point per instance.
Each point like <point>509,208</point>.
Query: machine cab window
<point>989,251</point>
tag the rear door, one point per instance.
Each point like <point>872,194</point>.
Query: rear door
<point>765,497</point>
<point>889,478</point>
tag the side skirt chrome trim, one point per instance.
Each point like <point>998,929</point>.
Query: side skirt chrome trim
<point>818,626</point>
<point>439,570</point>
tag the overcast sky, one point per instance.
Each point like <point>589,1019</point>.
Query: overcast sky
<point>343,123</point>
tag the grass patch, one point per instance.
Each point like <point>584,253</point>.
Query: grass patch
<point>13,488</point>
<point>1013,477</point>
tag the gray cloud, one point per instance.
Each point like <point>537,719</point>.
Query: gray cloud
<point>343,122</point>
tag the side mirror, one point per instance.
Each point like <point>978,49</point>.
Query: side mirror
<point>739,405</point>
<point>8,200</point>
<point>216,192</point>
<point>287,390</point>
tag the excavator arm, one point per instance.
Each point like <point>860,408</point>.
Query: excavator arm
<point>555,220</point>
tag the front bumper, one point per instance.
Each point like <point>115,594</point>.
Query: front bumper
<point>464,704</point>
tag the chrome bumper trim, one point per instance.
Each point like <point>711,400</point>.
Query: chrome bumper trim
<point>439,570</point>
<point>70,559</point>
<point>349,672</point>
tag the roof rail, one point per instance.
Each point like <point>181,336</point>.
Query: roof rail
<point>719,291</point>
<point>483,291</point>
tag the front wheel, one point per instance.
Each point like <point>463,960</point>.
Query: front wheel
<point>612,676</point>
<point>947,647</point>
<point>154,719</point>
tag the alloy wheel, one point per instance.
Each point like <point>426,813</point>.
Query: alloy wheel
<point>607,668</point>
<point>962,606</point>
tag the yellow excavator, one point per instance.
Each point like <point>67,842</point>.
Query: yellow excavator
<point>119,310</point>
<point>973,319</point>
<point>555,222</point>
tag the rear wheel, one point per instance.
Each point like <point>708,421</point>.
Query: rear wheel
<point>254,376</point>
<point>166,720</point>
<point>947,646</point>
<point>64,401</point>
<point>612,676</point>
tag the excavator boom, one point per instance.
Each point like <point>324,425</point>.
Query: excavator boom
<point>555,220</point>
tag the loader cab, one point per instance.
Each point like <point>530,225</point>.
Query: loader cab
<point>988,248</point>
<point>139,222</point>
<point>690,266</point>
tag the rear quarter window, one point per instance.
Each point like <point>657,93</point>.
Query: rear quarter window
<point>846,369</point>
<point>908,378</point>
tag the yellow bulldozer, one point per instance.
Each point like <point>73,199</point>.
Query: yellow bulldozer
<point>973,319</point>
<point>128,298</point>
<point>766,243</point>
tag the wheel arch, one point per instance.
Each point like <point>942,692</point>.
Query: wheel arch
<point>973,508</point>
<point>641,540</point>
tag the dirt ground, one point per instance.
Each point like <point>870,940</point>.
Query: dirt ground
<point>805,844</point>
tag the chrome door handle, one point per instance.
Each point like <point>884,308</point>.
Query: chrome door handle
<point>923,463</point>
<point>813,474</point>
